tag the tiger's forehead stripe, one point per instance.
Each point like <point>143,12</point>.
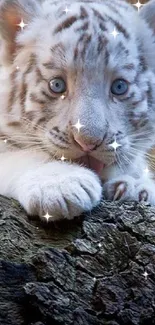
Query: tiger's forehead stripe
<point>86,41</point>
<point>98,15</point>
<point>83,28</point>
<point>119,27</point>
<point>106,18</point>
<point>102,42</point>
<point>66,24</point>
<point>84,14</point>
<point>71,20</point>
<point>86,37</point>
<point>122,48</point>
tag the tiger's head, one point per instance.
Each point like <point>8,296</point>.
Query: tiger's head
<point>76,79</point>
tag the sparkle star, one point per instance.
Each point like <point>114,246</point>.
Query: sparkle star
<point>78,125</point>
<point>63,158</point>
<point>22,24</point>
<point>47,216</point>
<point>5,141</point>
<point>115,145</point>
<point>145,274</point>
<point>114,33</point>
<point>63,97</point>
<point>146,170</point>
<point>66,10</point>
<point>138,5</point>
<point>17,67</point>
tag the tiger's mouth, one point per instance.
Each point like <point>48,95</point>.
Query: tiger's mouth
<point>91,163</point>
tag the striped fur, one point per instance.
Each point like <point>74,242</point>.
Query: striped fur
<point>78,47</point>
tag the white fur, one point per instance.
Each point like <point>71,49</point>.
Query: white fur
<point>61,189</point>
<point>129,186</point>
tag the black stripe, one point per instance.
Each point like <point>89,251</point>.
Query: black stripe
<point>65,24</point>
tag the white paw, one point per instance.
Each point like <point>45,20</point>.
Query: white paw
<point>61,191</point>
<point>120,189</point>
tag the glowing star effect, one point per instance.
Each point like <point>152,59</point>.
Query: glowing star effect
<point>47,216</point>
<point>66,10</point>
<point>78,126</point>
<point>63,97</point>
<point>114,33</point>
<point>63,158</point>
<point>17,67</point>
<point>138,5</point>
<point>145,274</point>
<point>22,24</point>
<point>146,170</point>
<point>5,141</point>
<point>115,145</point>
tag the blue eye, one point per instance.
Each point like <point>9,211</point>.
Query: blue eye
<point>57,85</point>
<point>119,87</point>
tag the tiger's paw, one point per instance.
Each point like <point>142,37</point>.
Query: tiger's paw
<point>120,189</point>
<point>145,191</point>
<point>62,191</point>
<point>128,188</point>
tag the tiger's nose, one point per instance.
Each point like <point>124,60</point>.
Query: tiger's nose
<point>85,147</point>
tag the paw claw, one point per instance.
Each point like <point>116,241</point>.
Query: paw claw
<point>143,196</point>
<point>120,190</point>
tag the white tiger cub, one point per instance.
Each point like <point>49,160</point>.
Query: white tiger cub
<point>73,90</point>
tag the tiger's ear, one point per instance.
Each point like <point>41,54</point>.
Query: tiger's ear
<point>12,12</point>
<point>147,12</point>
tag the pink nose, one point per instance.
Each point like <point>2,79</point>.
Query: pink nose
<point>85,147</point>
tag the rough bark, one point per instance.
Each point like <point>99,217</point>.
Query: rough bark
<point>86,271</point>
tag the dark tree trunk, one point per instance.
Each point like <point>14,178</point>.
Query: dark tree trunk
<point>87,271</point>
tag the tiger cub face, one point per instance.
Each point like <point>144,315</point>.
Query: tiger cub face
<point>75,81</point>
